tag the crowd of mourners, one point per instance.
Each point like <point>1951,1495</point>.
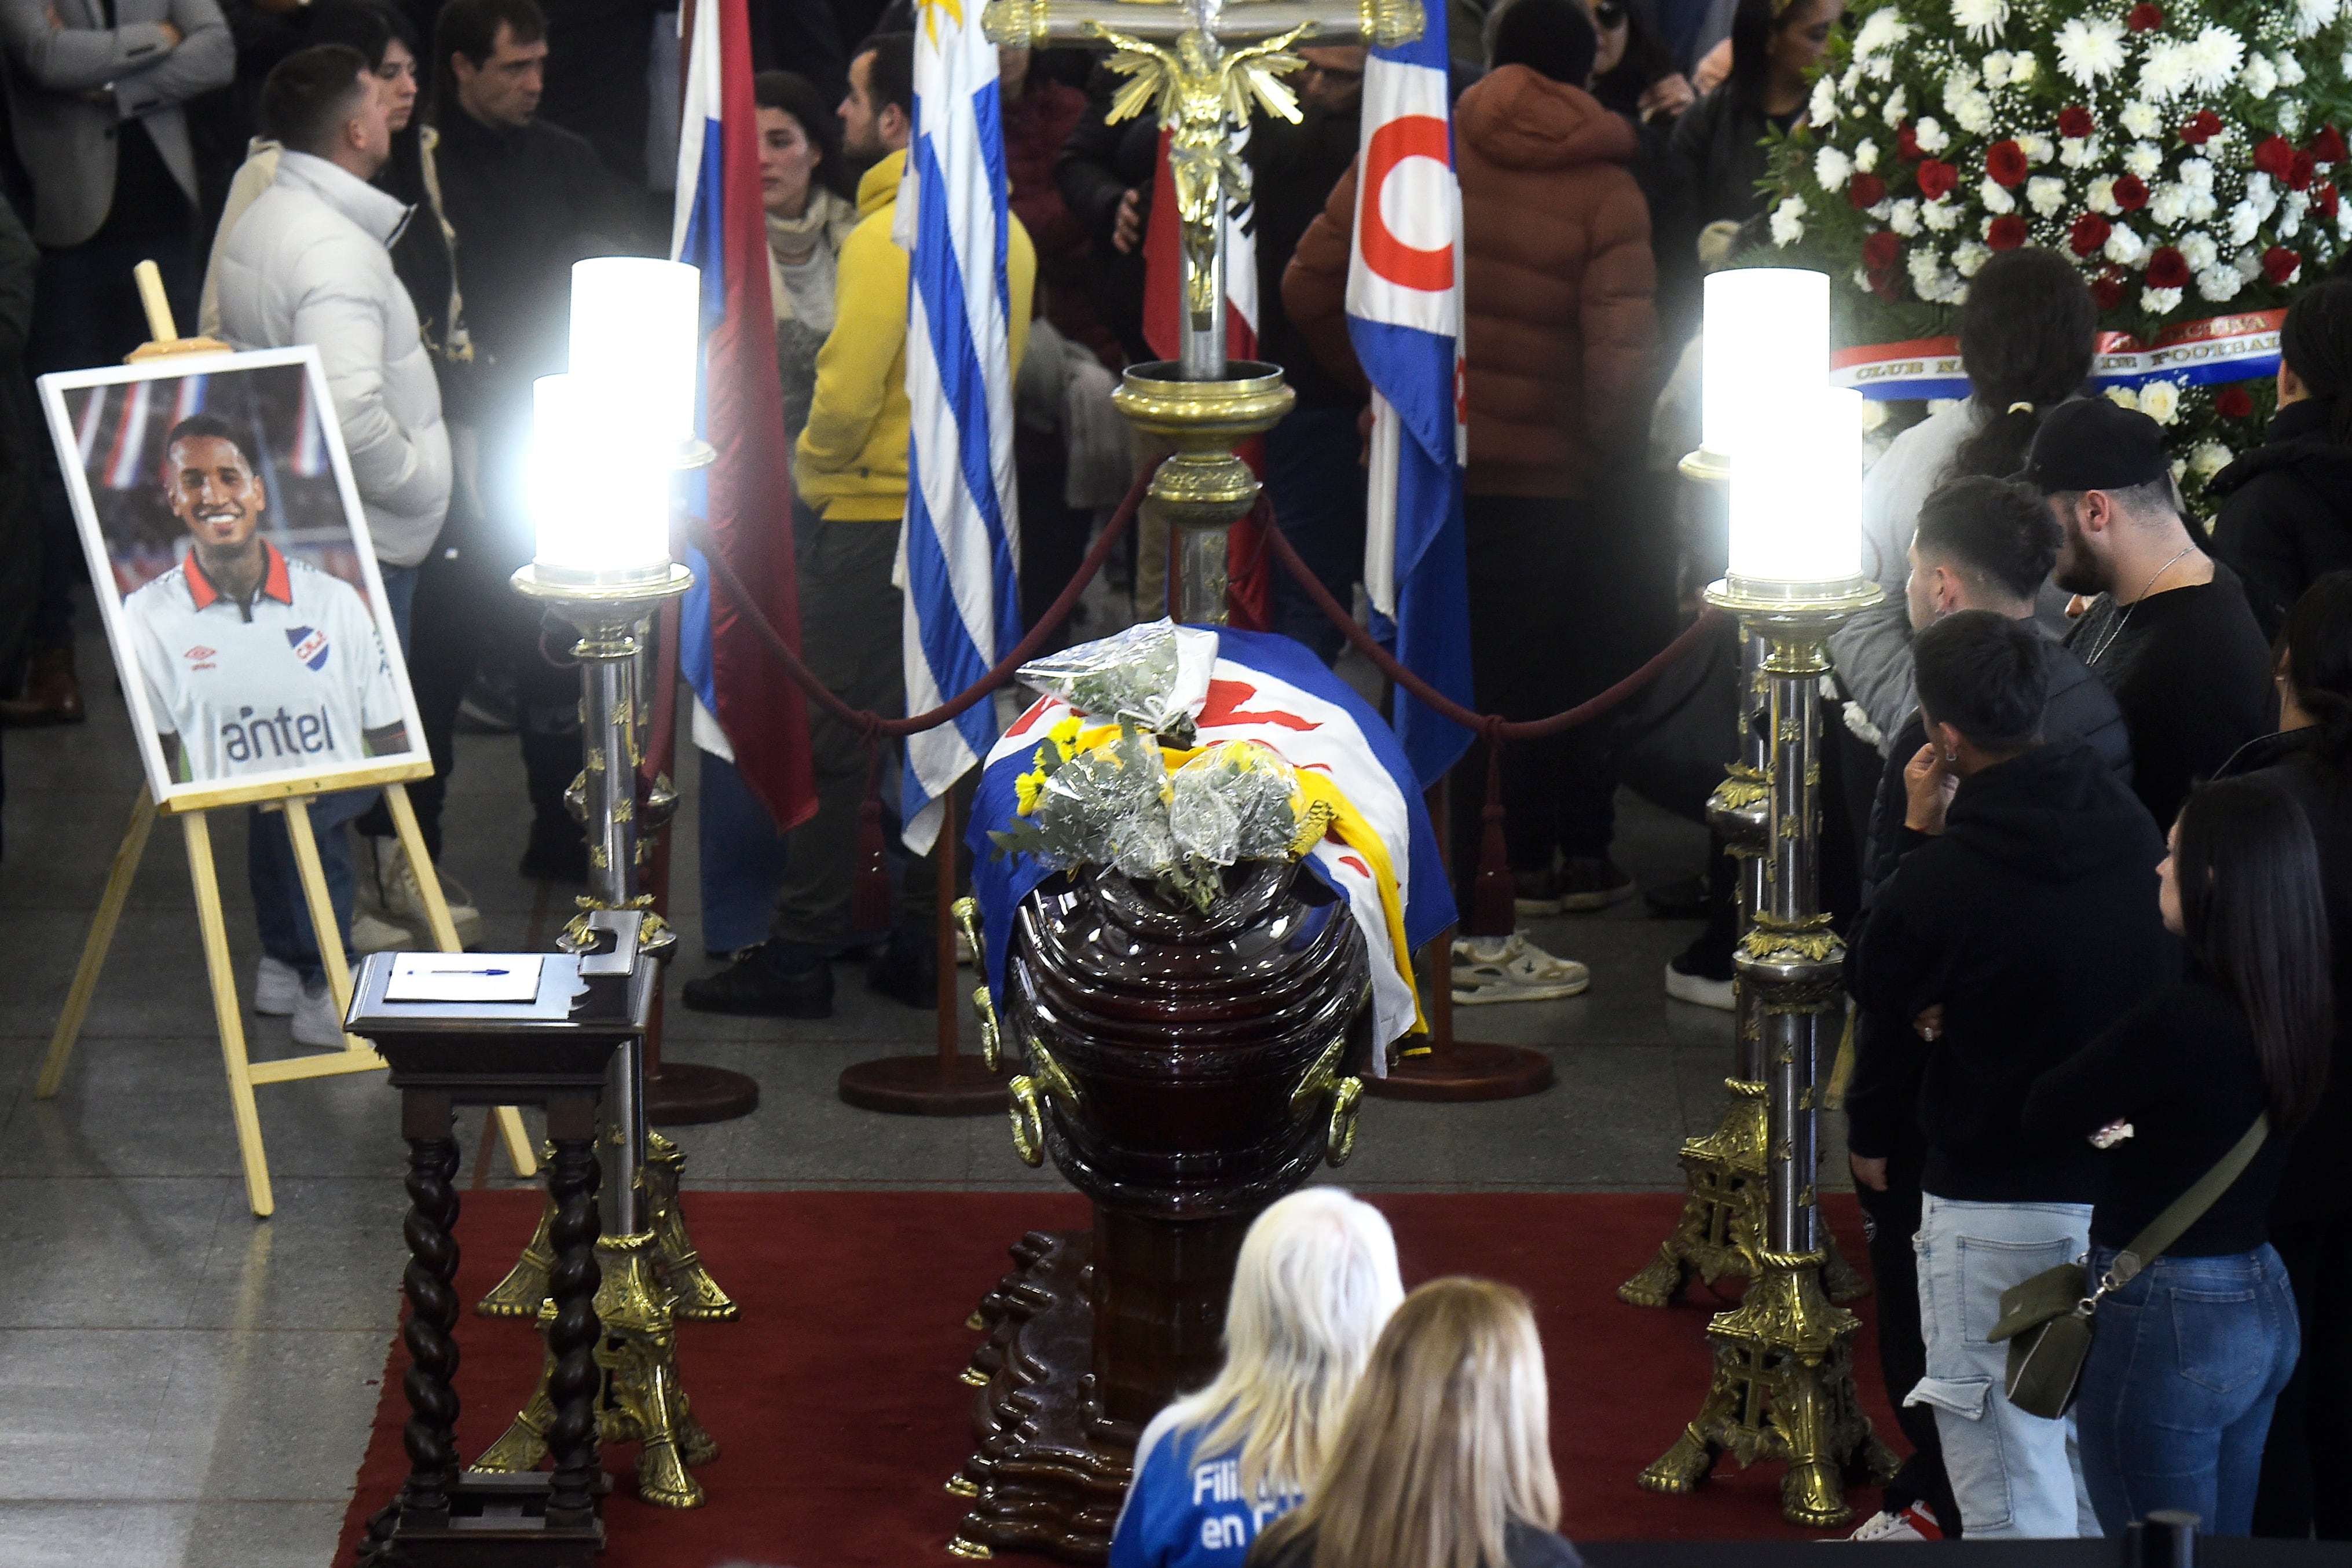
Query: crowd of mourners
<point>2089,767</point>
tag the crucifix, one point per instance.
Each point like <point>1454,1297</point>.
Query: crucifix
<point>1201,64</point>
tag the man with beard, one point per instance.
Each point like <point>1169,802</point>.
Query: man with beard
<point>2170,630</point>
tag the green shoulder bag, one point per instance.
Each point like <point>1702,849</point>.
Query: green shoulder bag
<point>2047,1319</point>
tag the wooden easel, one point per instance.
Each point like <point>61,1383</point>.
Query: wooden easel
<point>292,797</point>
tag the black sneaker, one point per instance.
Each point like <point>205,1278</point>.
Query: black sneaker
<point>1592,883</point>
<point>558,852</point>
<point>908,970</point>
<point>769,981</point>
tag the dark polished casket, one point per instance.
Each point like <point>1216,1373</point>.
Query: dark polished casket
<point>1185,1069</point>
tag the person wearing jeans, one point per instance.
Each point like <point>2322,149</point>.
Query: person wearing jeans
<point>2014,926</point>
<point>2191,1354</point>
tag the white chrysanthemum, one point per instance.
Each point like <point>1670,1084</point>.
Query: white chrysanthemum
<point>2159,302</point>
<point>2214,56</point>
<point>1904,219</point>
<point>1866,155</point>
<point>2311,15</point>
<point>2038,149</point>
<point>1969,256</point>
<point>1970,109</point>
<point>2244,220</point>
<point>1994,198</point>
<point>2125,248</point>
<point>2201,205</point>
<point>2249,263</point>
<point>2290,69</point>
<point>1898,108</point>
<point>1931,135</point>
<point>1940,215</point>
<point>2101,197</point>
<point>2262,193</point>
<point>1851,83</point>
<point>2290,118</point>
<point>1982,20</point>
<point>2260,78</point>
<point>2220,284</point>
<point>2045,195</point>
<point>1789,221</point>
<point>2081,152</point>
<point>1832,168</point>
<point>2208,457</point>
<point>2166,72</point>
<point>2199,250</point>
<point>2090,49</point>
<point>1996,69</point>
<point>2289,221</point>
<point>2022,68</point>
<point>2144,159</point>
<point>1880,32</point>
<point>1878,213</point>
<point>2161,400</point>
<point>1824,108</point>
<point>2123,397</point>
<point>2140,118</point>
<point>2197,173</point>
<point>2168,203</point>
<point>1924,264</point>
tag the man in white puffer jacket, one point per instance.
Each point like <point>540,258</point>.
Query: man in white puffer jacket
<point>309,263</point>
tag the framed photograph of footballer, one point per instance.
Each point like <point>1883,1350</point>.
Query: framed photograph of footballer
<point>241,595</point>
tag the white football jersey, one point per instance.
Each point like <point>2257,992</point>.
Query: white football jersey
<point>290,685</point>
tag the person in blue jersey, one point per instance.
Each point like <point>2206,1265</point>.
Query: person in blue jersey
<point>1314,1284</point>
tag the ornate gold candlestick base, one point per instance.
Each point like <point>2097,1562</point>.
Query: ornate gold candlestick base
<point>695,1295</point>
<point>1783,1390</point>
<point>1722,1221</point>
<point>642,1400</point>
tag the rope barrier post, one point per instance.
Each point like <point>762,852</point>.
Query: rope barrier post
<point>946,1082</point>
<point>1453,1070</point>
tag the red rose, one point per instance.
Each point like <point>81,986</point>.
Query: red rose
<point>2131,192</point>
<point>2280,265</point>
<point>2144,18</point>
<point>2301,171</point>
<point>2328,145</point>
<point>2168,269</point>
<point>2005,162</point>
<point>2274,157</point>
<point>2075,121</point>
<point>2233,403</point>
<point>2090,234</point>
<point>1881,250</point>
<point>1938,178</point>
<point>2323,200</point>
<point>1867,191</point>
<point>2202,127</point>
<point>2106,293</point>
<point>2006,232</point>
<point>1906,144</point>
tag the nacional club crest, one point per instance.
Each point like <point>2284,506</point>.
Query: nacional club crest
<point>309,645</point>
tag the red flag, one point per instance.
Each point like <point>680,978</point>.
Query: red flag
<point>1249,600</point>
<point>761,710</point>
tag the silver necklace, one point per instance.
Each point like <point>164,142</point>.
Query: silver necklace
<point>2125,619</point>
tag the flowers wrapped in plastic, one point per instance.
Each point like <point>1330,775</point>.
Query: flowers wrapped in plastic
<point>1137,677</point>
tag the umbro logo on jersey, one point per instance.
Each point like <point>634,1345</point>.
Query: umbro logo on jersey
<point>199,651</point>
<point>309,645</point>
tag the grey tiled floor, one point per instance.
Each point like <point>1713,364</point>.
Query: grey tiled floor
<point>183,1384</point>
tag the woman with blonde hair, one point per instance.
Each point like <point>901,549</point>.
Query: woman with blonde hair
<point>1444,1458</point>
<point>1316,1280</point>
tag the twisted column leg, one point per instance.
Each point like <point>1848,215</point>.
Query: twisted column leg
<point>572,1331</point>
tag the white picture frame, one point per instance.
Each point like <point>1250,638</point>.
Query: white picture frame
<point>245,721</point>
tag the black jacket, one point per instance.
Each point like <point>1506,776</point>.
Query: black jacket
<point>2286,511</point>
<point>1099,164</point>
<point>1523,1545</point>
<point>2032,919</point>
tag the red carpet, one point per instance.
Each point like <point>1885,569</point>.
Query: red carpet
<point>835,1403</point>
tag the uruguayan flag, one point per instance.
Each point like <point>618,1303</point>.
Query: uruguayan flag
<point>959,554</point>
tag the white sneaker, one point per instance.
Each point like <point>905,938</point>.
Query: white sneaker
<point>1698,990</point>
<point>372,934</point>
<point>1911,1524</point>
<point>316,1021</point>
<point>404,895</point>
<point>1512,969</point>
<point>277,986</point>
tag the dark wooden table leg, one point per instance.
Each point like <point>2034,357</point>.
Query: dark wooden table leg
<point>571,1336</point>
<point>430,1436</point>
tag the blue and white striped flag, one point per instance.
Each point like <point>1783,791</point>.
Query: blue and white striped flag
<point>959,551</point>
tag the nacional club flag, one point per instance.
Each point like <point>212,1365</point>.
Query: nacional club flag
<point>958,555</point>
<point>1262,687</point>
<point>1250,598</point>
<point>1404,317</point>
<point>745,497</point>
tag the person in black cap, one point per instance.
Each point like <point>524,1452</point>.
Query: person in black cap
<point>2169,631</point>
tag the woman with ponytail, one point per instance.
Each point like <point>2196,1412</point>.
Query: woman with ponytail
<point>2286,506</point>
<point>2027,334</point>
<point>2311,1223</point>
